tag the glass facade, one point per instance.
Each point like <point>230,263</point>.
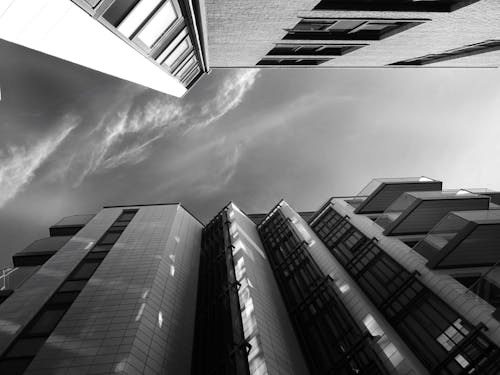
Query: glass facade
<point>330,339</point>
<point>443,340</point>
<point>220,346</point>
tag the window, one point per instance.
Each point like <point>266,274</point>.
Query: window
<point>137,16</point>
<point>395,5</point>
<point>482,287</point>
<point>46,321</point>
<point>149,20</point>
<point>158,24</point>
<point>349,28</point>
<point>470,50</point>
<point>26,347</point>
<point>313,49</point>
<point>73,286</point>
<point>118,10</point>
<point>126,215</point>
<point>85,270</point>
<point>14,366</point>
<point>291,62</point>
<point>176,48</point>
<point>110,238</point>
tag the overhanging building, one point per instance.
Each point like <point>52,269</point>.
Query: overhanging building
<point>168,45</point>
<point>400,279</point>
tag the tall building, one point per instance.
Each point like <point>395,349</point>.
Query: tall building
<point>168,45</point>
<point>402,278</point>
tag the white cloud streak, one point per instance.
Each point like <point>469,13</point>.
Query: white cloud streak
<point>126,138</point>
<point>18,165</point>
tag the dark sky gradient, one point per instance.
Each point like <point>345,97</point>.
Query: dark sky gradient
<point>73,140</point>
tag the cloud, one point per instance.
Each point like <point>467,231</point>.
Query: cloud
<point>126,137</point>
<point>19,164</point>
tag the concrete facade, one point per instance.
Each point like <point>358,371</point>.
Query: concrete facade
<point>241,33</point>
<point>275,348</point>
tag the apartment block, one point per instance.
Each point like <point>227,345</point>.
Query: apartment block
<point>401,278</point>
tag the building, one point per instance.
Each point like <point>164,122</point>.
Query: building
<point>402,278</point>
<point>353,33</point>
<point>155,43</point>
<point>168,45</point>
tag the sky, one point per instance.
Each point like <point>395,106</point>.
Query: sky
<point>73,140</point>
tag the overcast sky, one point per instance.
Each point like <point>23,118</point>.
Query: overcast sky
<point>73,140</point>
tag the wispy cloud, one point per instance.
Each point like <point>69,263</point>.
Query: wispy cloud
<point>19,164</point>
<point>127,137</point>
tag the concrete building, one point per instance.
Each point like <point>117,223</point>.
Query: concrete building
<point>155,43</point>
<point>168,45</point>
<point>402,278</point>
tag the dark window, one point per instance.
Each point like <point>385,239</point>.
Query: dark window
<point>118,10</point>
<point>126,216</point>
<point>26,347</point>
<point>291,62</point>
<point>395,5</point>
<point>110,238</point>
<point>97,255</point>
<point>85,270</point>
<point>100,248</point>
<point>73,286</point>
<point>313,49</point>
<point>14,366</point>
<point>64,298</point>
<point>470,50</point>
<point>348,28</point>
<point>482,287</point>
<point>46,321</point>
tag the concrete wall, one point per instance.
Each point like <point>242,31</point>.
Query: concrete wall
<point>275,348</point>
<point>241,32</point>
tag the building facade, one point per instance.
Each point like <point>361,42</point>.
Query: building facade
<point>402,278</point>
<point>168,45</point>
<point>155,43</point>
<point>353,33</point>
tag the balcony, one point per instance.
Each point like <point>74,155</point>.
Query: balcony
<point>70,225</point>
<point>469,238</point>
<point>381,192</point>
<point>419,212</point>
<point>38,252</point>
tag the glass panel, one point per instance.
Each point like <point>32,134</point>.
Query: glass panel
<point>311,26</point>
<point>126,216</point>
<point>179,50</point>
<point>118,10</point>
<point>110,237</point>
<point>187,66</point>
<point>158,24</point>
<point>46,322</point>
<point>99,248</point>
<point>170,47</point>
<point>63,298</point>
<point>14,366</point>
<point>345,25</point>
<point>137,16</point>
<point>85,270</point>
<point>73,286</point>
<point>26,347</point>
<point>375,26</point>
